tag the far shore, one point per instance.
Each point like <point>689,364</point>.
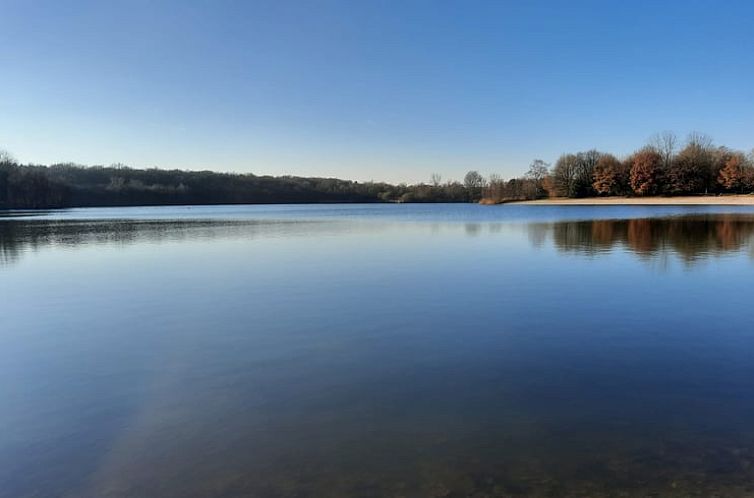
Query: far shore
<point>723,200</point>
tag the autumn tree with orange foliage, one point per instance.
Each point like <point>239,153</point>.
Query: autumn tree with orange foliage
<point>646,171</point>
<point>732,174</point>
<point>611,177</point>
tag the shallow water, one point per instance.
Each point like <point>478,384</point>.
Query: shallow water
<point>377,350</point>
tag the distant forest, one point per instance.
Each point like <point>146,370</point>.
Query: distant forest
<point>26,186</point>
<point>661,167</point>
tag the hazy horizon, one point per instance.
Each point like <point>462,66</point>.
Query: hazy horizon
<point>365,91</point>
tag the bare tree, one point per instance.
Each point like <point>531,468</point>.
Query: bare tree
<point>473,180</point>
<point>435,179</point>
<point>6,165</point>
<point>700,140</point>
<point>665,143</point>
<point>494,188</point>
<point>6,157</point>
<point>692,168</point>
<point>538,171</point>
<point>564,175</point>
<point>587,161</point>
<point>573,173</point>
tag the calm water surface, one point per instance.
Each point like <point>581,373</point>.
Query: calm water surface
<point>377,350</point>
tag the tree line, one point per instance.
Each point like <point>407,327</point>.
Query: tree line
<point>27,186</point>
<point>661,167</point>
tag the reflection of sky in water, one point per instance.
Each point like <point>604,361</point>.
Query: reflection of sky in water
<point>414,353</point>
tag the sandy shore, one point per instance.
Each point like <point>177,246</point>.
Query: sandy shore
<point>727,200</point>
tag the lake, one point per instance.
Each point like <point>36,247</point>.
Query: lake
<point>377,350</point>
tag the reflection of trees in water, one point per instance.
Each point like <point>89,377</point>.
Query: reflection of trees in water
<point>689,237</point>
<point>18,237</point>
<point>473,229</point>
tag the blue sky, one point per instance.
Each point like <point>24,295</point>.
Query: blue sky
<point>383,90</point>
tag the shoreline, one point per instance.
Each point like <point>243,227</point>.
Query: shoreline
<point>688,200</point>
